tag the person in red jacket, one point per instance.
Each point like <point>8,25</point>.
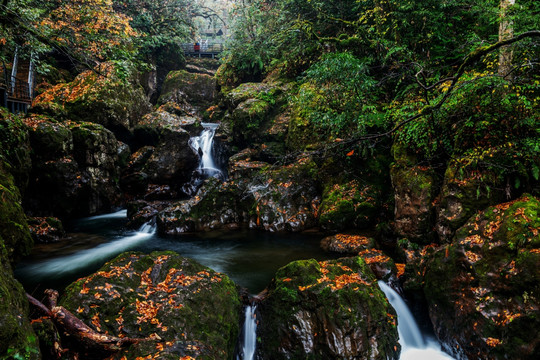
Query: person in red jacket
<point>197,47</point>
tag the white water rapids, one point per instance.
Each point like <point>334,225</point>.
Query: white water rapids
<point>413,344</point>
<point>203,145</point>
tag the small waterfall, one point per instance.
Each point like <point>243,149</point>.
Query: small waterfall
<point>413,345</point>
<point>203,145</point>
<point>249,341</point>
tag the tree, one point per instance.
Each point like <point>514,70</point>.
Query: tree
<point>506,31</point>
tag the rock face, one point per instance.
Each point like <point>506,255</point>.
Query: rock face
<point>180,307</point>
<point>483,289</point>
<point>327,310</point>
<point>15,148</point>
<point>76,168</point>
<point>346,244</point>
<point>17,340</point>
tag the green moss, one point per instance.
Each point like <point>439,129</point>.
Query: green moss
<point>13,225</point>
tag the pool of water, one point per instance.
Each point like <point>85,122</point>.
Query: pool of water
<point>249,258</point>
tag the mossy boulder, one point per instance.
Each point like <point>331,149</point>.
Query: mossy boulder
<point>106,96</point>
<point>285,198</point>
<point>349,205</point>
<point>464,192</point>
<point>48,137</point>
<point>15,148</point>
<point>154,126</point>
<point>326,310</point>
<point>13,224</point>
<point>415,189</point>
<point>483,289</point>
<point>180,307</point>
<point>198,90</point>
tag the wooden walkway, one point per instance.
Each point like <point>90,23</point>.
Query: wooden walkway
<point>205,49</point>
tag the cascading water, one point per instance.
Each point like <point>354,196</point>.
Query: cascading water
<point>249,340</point>
<point>203,145</point>
<point>99,254</point>
<point>413,344</point>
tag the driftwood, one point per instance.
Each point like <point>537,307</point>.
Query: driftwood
<point>76,328</point>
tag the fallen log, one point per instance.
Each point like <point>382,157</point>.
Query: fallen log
<point>76,328</point>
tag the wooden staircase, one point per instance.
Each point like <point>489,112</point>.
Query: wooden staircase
<point>16,87</point>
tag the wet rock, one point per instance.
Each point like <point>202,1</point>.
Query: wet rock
<point>483,288</point>
<point>173,159</point>
<point>381,264</point>
<point>140,212</point>
<point>124,154</point>
<point>327,310</point>
<point>46,230</point>
<point>216,205</point>
<point>179,307</point>
<point>346,243</point>
<point>414,192</point>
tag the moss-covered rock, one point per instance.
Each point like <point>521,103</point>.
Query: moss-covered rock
<point>326,310</point>
<point>349,205</point>
<point>483,289</point>
<point>198,90</point>
<point>15,148</point>
<point>104,97</point>
<point>415,189</point>
<point>154,126</point>
<point>464,192</point>
<point>180,307</point>
<point>215,206</point>
<point>13,225</point>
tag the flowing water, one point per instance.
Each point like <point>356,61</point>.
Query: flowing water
<point>250,258</point>
<point>249,331</point>
<point>414,344</point>
<point>204,146</point>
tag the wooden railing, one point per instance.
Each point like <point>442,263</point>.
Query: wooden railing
<point>203,49</point>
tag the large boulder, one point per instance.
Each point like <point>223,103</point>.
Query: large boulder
<point>180,307</point>
<point>483,289</point>
<point>75,168</point>
<point>327,310</point>
<point>180,87</point>
<point>101,96</point>
<point>215,206</point>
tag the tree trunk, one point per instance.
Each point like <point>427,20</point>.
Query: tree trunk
<point>506,31</point>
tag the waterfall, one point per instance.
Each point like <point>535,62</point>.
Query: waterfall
<point>413,344</point>
<point>249,341</point>
<point>203,145</point>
